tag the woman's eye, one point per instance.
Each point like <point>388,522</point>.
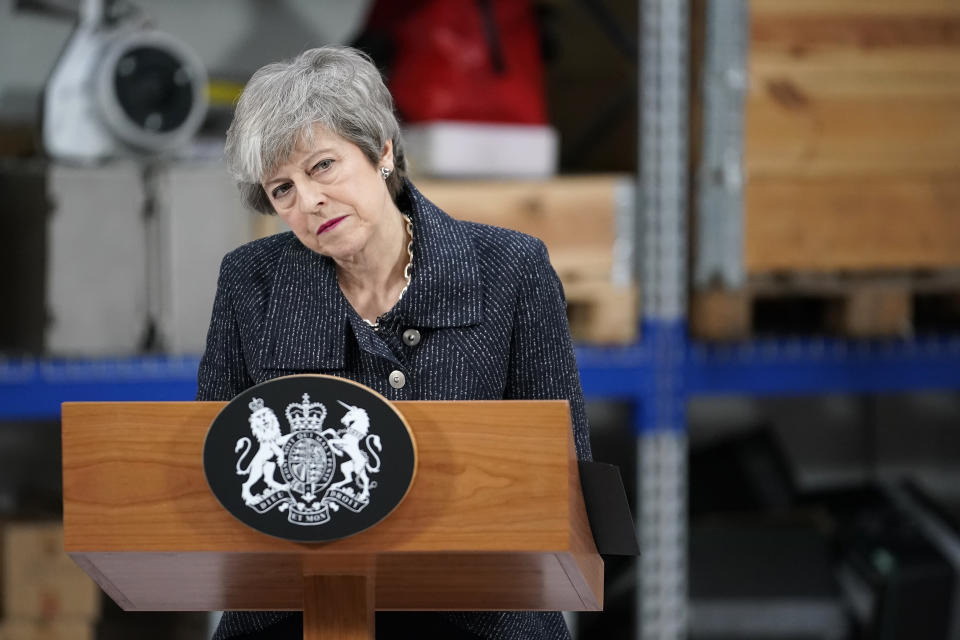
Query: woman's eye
<point>281,190</point>
<point>323,165</point>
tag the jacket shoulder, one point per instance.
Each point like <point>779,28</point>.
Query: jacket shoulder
<point>248,270</point>
<point>257,255</point>
<point>505,243</point>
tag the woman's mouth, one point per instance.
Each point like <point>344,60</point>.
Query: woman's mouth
<point>326,226</point>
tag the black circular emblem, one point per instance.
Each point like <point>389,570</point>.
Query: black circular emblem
<point>309,458</point>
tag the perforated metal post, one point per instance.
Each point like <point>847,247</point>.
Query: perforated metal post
<point>720,177</point>
<point>663,155</point>
<point>661,449</point>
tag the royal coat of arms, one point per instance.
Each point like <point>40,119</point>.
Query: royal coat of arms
<point>320,469</point>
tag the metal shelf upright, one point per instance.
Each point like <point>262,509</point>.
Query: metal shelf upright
<point>660,418</point>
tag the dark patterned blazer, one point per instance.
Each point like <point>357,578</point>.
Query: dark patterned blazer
<point>490,314</point>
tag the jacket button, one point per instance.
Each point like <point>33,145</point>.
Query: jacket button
<point>397,379</point>
<point>411,337</point>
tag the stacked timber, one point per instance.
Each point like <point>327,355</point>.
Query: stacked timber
<point>852,154</point>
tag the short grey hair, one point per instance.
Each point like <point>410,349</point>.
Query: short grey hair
<point>338,88</point>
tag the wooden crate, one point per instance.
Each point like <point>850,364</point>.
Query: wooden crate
<point>863,224</point>
<point>852,136</point>
<point>852,158</point>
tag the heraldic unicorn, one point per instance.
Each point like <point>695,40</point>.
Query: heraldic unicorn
<point>307,460</point>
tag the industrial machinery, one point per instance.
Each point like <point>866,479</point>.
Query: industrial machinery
<point>121,88</point>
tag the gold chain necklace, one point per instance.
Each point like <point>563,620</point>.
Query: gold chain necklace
<point>406,271</point>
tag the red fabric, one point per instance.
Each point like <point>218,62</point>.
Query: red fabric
<point>452,62</point>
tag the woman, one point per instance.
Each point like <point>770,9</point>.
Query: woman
<point>375,284</point>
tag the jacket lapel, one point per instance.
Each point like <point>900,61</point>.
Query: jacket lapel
<point>445,288</point>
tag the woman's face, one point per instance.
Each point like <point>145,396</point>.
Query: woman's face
<point>331,196</point>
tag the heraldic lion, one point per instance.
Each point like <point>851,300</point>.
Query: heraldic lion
<point>266,429</point>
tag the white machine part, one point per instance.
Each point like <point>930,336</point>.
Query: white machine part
<point>121,89</point>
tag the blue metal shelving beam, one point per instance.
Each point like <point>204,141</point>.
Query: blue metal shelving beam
<point>34,388</point>
<point>813,366</point>
<point>801,366</point>
<point>615,373</point>
<point>804,366</point>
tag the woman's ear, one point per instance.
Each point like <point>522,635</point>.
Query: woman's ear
<point>386,157</point>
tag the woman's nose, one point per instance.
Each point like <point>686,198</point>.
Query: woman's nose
<point>312,198</point>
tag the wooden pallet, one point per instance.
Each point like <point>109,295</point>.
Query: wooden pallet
<point>601,312</point>
<point>855,306</point>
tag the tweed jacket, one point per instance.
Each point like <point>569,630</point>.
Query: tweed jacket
<point>491,316</point>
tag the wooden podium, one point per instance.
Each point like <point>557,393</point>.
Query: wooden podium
<point>494,520</point>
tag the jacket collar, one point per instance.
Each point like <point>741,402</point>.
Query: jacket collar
<point>307,313</point>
